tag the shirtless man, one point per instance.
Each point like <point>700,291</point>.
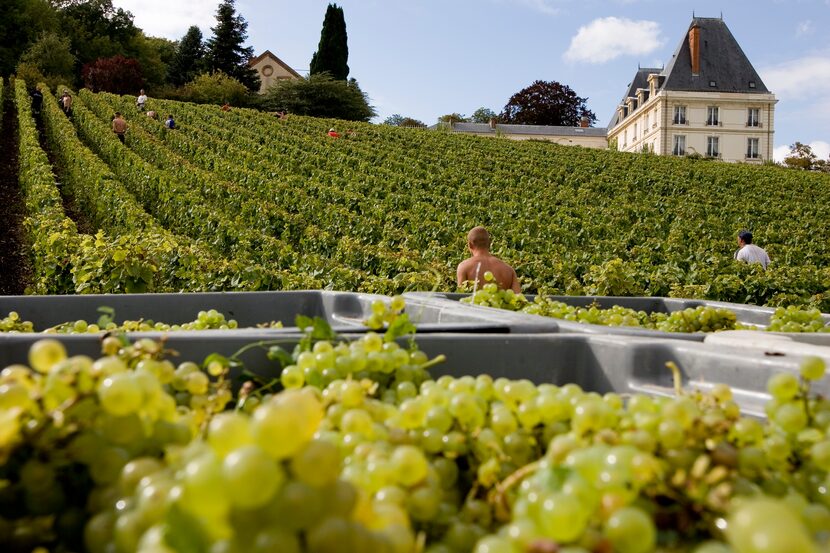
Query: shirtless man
<point>481,261</point>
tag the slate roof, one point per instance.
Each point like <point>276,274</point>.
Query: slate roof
<point>536,130</point>
<point>640,80</point>
<point>721,61</point>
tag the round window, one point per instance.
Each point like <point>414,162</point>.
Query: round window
<point>267,70</point>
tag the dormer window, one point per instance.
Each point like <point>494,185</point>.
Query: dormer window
<point>713,84</point>
<point>751,84</point>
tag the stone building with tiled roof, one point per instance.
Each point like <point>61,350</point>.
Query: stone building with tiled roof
<point>708,100</point>
<point>271,70</point>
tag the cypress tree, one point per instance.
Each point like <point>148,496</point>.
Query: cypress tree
<point>225,51</point>
<point>332,53</point>
<point>189,59</point>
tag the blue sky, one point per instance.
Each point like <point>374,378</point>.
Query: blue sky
<point>425,58</point>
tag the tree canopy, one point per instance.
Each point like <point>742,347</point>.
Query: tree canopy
<point>546,103</point>
<point>320,96</point>
<point>398,120</point>
<point>215,88</point>
<point>48,59</point>
<point>454,118</point>
<point>225,50</point>
<point>802,157</point>
<point>189,58</point>
<point>332,53</point>
<point>483,115</point>
<point>117,74</point>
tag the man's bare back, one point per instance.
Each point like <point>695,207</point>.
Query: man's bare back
<point>504,274</point>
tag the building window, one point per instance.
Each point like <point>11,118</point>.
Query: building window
<point>648,119</point>
<point>712,146</point>
<point>679,147</point>
<point>752,148</point>
<point>267,71</point>
<point>712,116</point>
<point>751,84</point>
<point>635,132</point>
<point>753,117</point>
<point>713,84</point>
<point>679,115</point>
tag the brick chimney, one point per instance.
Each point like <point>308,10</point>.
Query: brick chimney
<point>694,48</point>
<point>583,122</point>
<point>493,122</point>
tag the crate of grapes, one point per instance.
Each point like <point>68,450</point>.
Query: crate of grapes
<point>602,364</point>
<point>686,319</point>
<point>274,311</point>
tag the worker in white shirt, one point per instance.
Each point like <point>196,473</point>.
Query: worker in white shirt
<point>749,252</point>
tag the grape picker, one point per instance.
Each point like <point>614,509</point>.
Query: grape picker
<point>749,252</point>
<point>481,261</point>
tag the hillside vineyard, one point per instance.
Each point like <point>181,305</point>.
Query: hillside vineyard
<point>242,200</point>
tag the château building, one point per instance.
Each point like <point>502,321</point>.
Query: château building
<point>708,100</point>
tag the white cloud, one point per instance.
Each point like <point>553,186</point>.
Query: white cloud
<point>780,152</point>
<point>819,147</point>
<point>608,38</point>
<point>807,77</point>
<point>170,19</point>
<point>804,28</point>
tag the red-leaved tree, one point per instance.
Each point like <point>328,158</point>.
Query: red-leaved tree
<point>546,103</point>
<point>117,74</point>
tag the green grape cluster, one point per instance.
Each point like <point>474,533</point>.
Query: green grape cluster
<point>12,323</point>
<point>490,295</point>
<point>69,427</point>
<point>613,316</point>
<point>696,319</point>
<point>357,449</point>
<point>685,473</point>
<point>795,319</point>
<point>205,320</point>
<point>385,313</point>
<point>369,359</point>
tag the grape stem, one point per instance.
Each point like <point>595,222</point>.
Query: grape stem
<point>677,376</point>
<point>499,497</point>
<point>434,361</point>
<point>260,344</point>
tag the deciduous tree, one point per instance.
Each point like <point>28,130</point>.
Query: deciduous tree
<point>48,59</point>
<point>453,118</point>
<point>397,120</point>
<point>320,96</point>
<point>483,115</point>
<point>332,55</point>
<point>97,29</point>
<point>117,74</point>
<point>215,88</point>
<point>546,103</point>
<point>21,23</point>
<point>802,157</point>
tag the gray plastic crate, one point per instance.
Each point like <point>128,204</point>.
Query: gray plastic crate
<point>344,311</point>
<point>597,363</point>
<point>747,314</point>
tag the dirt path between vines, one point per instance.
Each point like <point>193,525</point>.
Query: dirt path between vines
<point>15,272</point>
<point>70,206</point>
